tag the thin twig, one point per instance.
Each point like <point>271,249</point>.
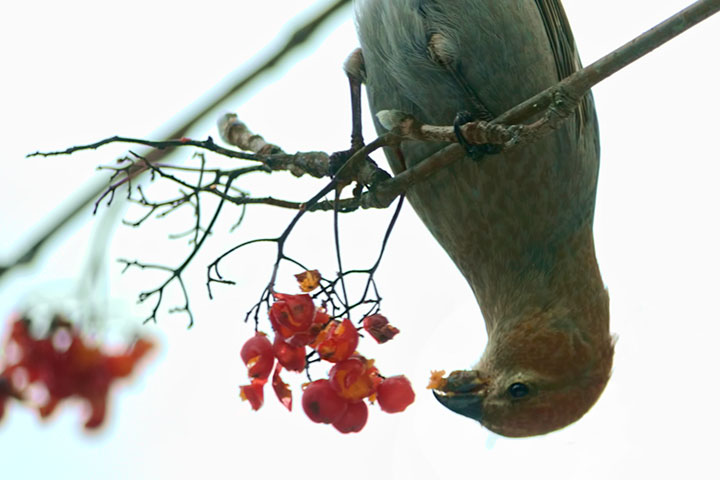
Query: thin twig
<point>338,255</point>
<point>176,273</point>
<point>95,188</point>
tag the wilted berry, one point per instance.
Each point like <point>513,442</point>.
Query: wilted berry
<point>379,328</point>
<point>281,389</point>
<point>309,280</point>
<point>253,393</point>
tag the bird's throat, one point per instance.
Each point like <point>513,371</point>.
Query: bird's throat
<point>552,315</point>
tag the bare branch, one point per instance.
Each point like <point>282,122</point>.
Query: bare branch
<point>96,188</point>
<point>374,187</point>
<point>577,84</point>
<point>236,133</point>
<point>208,144</point>
<point>410,128</point>
<point>558,102</point>
<point>175,274</point>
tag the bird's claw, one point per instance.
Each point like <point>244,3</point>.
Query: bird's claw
<point>476,152</point>
<point>338,159</point>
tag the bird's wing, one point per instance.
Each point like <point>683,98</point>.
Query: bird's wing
<point>562,44</point>
<point>454,54</point>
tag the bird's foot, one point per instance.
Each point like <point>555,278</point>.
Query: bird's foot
<point>338,159</point>
<point>476,152</point>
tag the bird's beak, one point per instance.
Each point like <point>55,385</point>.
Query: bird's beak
<point>463,393</point>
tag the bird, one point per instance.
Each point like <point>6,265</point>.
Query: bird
<point>518,224</point>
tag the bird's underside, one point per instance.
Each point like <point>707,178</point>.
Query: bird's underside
<point>519,224</point>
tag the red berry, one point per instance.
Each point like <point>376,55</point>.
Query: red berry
<point>354,378</point>
<point>257,354</point>
<point>337,341</point>
<point>321,403</point>
<point>289,356</point>
<point>354,418</point>
<point>295,318</point>
<point>292,313</point>
<point>67,366</point>
<point>394,394</point>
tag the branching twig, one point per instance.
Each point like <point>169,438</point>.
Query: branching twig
<point>176,273</point>
<point>370,272</point>
<point>270,288</point>
<point>312,163</point>
<point>375,188</point>
<point>336,235</point>
<point>96,188</point>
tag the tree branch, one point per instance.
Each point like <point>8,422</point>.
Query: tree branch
<point>577,84</point>
<point>557,103</point>
<point>96,188</point>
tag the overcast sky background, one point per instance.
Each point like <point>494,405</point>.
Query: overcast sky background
<point>76,72</point>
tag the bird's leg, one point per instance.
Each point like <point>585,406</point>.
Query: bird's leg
<point>476,152</point>
<point>355,70</point>
<point>441,50</point>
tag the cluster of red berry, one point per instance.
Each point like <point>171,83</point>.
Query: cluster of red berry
<point>339,399</point>
<point>41,372</point>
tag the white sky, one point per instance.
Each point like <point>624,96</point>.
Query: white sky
<point>76,72</point>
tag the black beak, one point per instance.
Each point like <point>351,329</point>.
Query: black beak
<point>463,393</point>
<point>466,404</point>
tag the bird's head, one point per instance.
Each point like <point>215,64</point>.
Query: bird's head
<point>536,377</point>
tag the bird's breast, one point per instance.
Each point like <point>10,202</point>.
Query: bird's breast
<point>506,215</point>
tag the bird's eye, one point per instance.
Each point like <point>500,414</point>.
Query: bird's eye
<point>518,390</point>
